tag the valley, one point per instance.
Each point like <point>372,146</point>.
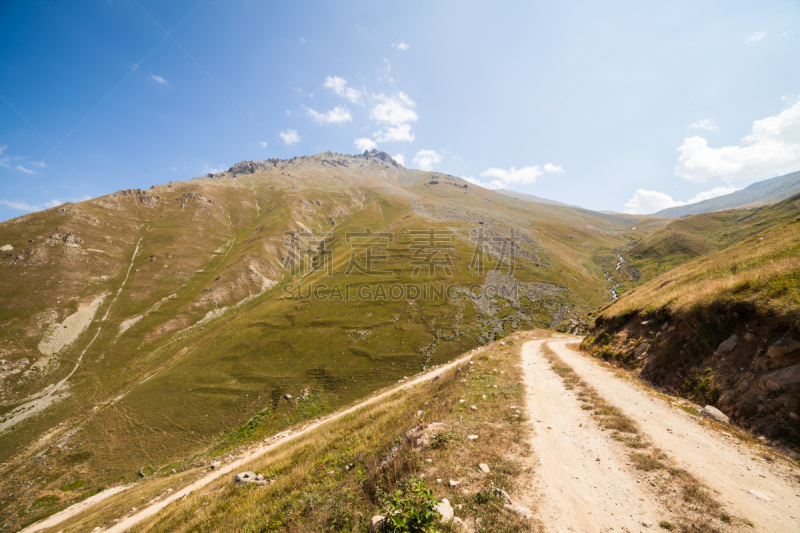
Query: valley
<point>149,334</point>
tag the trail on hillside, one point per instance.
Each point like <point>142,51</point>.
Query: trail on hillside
<point>238,464</point>
<point>766,494</point>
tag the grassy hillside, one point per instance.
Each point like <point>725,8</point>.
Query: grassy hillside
<point>336,477</point>
<point>722,328</point>
<point>687,238</point>
<point>141,327</point>
<point>760,193</point>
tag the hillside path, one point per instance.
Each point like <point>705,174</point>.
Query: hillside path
<point>726,468</point>
<point>238,464</point>
<point>574,492</point>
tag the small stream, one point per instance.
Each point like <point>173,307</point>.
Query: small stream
<point>609,277</point>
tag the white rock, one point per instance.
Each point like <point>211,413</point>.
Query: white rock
<point>245,478</point>
<point>473,407</point>
<point>709,411</point>
<point>484,468</point>
<point>376,523</point>
<point>472,437</point>
<point>446,510</point>
<point>454,483</point>
<point>287,396</point>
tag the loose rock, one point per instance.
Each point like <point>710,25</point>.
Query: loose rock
<point>709,411</point>
<point>728,345</point>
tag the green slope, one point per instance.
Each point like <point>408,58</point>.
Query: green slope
<point>201,317</point>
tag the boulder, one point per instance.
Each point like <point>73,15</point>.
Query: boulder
<point>711,412</point>
<point>728,345</point>
<point>782,346</point>
<point>641,351</point>
<point>779,379</point>
<point>287,396</point>
<point>446,510</point>
<point>484,468</point>
<point>376,523</point>
<point>246,478</point>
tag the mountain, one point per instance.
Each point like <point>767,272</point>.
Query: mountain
<point>760,193</point>
<point>146,326</point>
<point>609,216</point>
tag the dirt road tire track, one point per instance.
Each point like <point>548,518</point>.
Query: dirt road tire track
<point>726,468</point>
<point>573,491</point>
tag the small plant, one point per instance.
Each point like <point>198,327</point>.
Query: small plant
<point>666,525</point>
<point>72,485</point>
<point>412,510</point>
<point>441,440</point>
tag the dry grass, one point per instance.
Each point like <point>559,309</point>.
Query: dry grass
<point>764,270</point>
<point>329,480</point>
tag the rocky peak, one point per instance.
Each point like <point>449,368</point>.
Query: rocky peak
<point>255,167</point>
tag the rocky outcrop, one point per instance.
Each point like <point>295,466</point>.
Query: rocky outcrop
<point>746,370</point>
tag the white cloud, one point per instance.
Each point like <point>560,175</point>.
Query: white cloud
<point>400,159</point>
<point>159,79</point>
<point>337,115</point>
<point>395,133</point>
<point>263,144</point>
<point>302,41</point>
<point>402,45</point>
<point>364,144</point>
<point>301,91</point>
<point>6,162</point>
<point>705,124</point>
<point>645,202</point>
<point>24,206</point>
<point>212,169</point>
<point>395,112</point>
<point>23,169</point>
<point>771,149</point>
<point>524,175</point>
<point>550,168</point>
<point>757,36</point>
<point>290,137</point>
<point>339,86</point>
<point>474,181</point>
<point>426,159</point>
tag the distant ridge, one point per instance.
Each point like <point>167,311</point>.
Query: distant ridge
<point>760,193</point>
<point>531,198</point>
<point>610,216</point>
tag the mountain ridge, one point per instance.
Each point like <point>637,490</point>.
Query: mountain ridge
<point>760,193</point>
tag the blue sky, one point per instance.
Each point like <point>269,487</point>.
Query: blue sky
<point>625,106</point>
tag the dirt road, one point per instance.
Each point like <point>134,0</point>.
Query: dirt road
<point>573,490</point>
<point>766,494</point>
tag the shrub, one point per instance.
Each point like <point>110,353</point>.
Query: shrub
<point>411,510</point>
